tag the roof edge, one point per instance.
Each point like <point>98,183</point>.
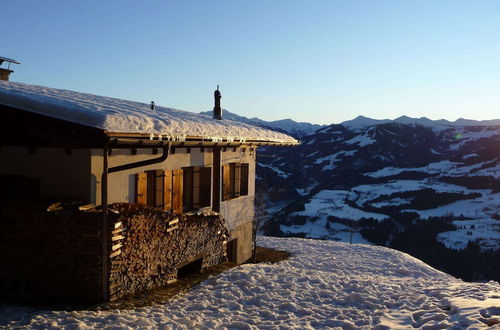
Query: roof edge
<point>187,140</point>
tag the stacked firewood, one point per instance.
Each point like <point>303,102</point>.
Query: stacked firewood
<point>50,253</point>
<point>147,246</point>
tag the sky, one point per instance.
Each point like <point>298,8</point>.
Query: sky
<point>315,61</point>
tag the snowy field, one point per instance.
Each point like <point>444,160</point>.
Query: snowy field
<point>323,229</point>
<point>444,167</point>
<point>323,285</point>
<point>333,203</point>
<point>485,232</point>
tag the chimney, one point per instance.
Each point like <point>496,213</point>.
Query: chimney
<point>217,108</point>
<point>5,72</point>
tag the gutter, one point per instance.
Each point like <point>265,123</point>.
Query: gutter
<point>162,158</point>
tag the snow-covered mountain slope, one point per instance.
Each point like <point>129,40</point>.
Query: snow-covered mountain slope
<point>385,181</point>
<point>288,126</point>
<point>323,285</point>
<point>361,122</point>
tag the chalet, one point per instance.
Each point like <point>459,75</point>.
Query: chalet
<point>102,197</point>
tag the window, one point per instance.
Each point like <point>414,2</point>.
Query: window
<point>234,180</point>
<point>197,187</point>
<point>244,179</point>
<point>160,189</point>
<point>150,188</point>
<point>175,191</point>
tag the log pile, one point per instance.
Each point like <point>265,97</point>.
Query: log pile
<point>147,246</point>
<point>56,254</point>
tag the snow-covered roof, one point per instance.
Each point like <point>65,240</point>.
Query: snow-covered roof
<point>116,116</point>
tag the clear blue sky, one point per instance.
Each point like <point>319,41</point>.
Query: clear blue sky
<point>315,61</point>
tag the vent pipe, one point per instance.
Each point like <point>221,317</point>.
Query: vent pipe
<point>217,108</point>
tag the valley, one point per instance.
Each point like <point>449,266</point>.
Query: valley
<point>431,190</point>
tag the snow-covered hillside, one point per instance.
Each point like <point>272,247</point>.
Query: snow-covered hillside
<point>394,184</point>
<point>383,170</point>
<point>323,285</point>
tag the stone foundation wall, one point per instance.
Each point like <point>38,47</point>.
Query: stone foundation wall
<point>149,246</point>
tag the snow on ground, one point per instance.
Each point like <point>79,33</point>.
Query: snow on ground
<point>485,206</point>
<point>463,135</point>
<point>368,192</point>
<point>333,203</point>
<point>391,202</point>
<point>486,232</point>
<point>323,229</point>
<point>277,170</point>
<point>362,140</point>
<point>444,167</point>
<point>469,156</point>
<point>333,159</point>
<point>115,115</point>
<point>324,284</point>
<point>432,168</point>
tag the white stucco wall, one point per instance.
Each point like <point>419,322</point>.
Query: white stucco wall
<point>121,187</point>
<point>60,174</point>
<point>78,176</point>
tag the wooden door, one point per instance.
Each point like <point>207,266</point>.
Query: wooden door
<point>232,250</point>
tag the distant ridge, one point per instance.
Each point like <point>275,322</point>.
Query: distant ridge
<point>362,121</point>
<point>292,127</point>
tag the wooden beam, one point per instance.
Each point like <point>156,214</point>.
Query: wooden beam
<point>216,179</point>
<point>104,228</point>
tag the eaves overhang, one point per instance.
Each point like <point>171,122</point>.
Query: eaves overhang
<point>144,140</point>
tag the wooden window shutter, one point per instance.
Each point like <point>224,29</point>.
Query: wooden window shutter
<point>205,186</point>
<point>226,182</point>
<point>196,187</point>
<point>167,203</point>
<point>187,188</point>
<point>141,188</point>
<point>177,195</point>
<point>244,179</point>
<point>236,179</point>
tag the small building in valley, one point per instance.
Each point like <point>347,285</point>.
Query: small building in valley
<point>102,197</point>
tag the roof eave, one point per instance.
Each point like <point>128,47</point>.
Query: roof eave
<point>140,140</point>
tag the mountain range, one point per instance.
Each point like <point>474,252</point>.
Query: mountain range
<point>361,121</point>
<point>300,129</point>
<point>430,188</point>
<point>289,126</point>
